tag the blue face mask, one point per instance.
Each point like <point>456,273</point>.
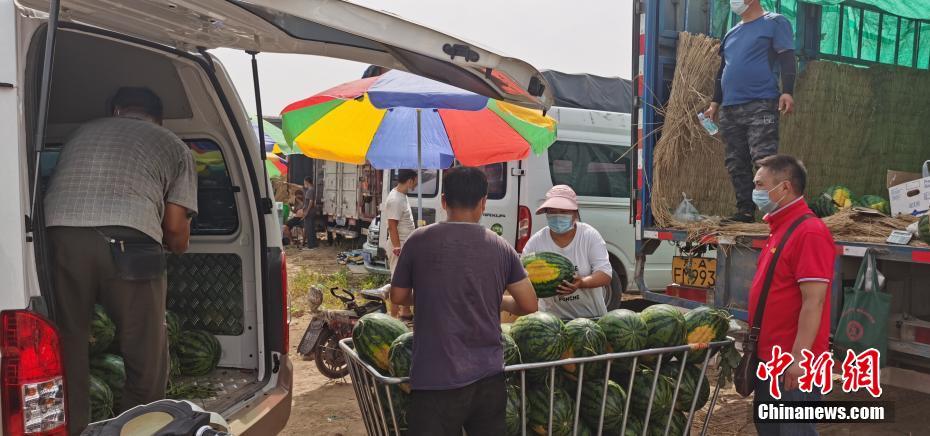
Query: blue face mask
<point>762,200</point>
<point>560,223</point>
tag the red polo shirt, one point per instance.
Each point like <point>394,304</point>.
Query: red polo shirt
<point>808,255</point>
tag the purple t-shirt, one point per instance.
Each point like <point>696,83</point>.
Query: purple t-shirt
<point>458,272</point>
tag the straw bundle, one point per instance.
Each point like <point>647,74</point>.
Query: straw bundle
<point>687,159</point>
<point>851,125</point>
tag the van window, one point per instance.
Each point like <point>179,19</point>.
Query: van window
<point>216,202</point>
<point>593,170</point>
<point>497,180</point>
<point>429,183</point>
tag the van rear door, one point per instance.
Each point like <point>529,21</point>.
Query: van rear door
<point>329,28</point>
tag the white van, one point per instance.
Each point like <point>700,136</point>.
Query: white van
<point>592,154</point>
<point>233,280</point>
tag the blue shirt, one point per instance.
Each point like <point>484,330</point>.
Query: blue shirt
<point>749,50</point>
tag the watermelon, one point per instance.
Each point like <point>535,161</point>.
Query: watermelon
<point>584,430</point>
<point>400,357</point>
<point>875,202</point>
<point>625,331</point>
<point>198,352</point>
<point>676,427</point>
<point>704,325</point>
<point>842,197</point>
<point>822,206</point>
<point>547,271</point>
<point>642,386</point>
<point>372,337</point>
<point>400,401</point>
<point>511,351</point>
<point>101,400</point>
<point>102,331</point>
<point>923,228</point>
<point>584,338</point>
<point>539,336</point>
<point>513,411</point>
<point>110,369</point>
<point>665,326</point>
<point>563,416</point>
<point>688,386</point>
<point>634,426</point>
<point>590,409</point>
<point>173,324</point>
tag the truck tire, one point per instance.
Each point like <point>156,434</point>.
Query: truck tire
<point>614,292</point>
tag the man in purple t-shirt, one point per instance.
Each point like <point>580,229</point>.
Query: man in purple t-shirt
<point>455,273</point>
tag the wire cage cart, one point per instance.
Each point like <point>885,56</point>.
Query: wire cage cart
<point>381,399</point>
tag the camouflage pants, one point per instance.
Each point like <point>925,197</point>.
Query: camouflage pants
<point>751,133</point>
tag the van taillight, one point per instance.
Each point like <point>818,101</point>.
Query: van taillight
<point>286,316</point>
<point>32,376</point>
<point>524,226</point>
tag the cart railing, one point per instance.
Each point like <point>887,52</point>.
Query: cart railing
<point>379,407</point>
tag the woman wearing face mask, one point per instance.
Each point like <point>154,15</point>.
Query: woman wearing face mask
<point>581,244</point>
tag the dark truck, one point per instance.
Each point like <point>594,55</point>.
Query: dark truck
<point>850,33</point>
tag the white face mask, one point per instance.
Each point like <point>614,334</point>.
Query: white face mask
<point>738,7</point>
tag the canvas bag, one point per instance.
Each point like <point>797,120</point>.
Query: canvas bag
<point>863,322</point>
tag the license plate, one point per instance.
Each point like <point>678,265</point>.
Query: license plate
<point>700,272</point>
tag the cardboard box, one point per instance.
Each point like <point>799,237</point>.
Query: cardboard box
<point>908,193</point>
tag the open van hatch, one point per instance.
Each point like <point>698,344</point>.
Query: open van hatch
<point>318,27</point>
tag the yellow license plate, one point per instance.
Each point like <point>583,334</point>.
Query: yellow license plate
<point>700,272</point>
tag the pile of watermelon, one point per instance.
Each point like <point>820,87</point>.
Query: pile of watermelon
<point>838,197</point>
<point>387,345</point>
<point>192,353</point>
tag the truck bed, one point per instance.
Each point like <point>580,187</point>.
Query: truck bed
<point>232,384</point>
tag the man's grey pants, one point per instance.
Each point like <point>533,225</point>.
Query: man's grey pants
<point>310,230</point>
<point>751,133</point>
<point>83,273</point>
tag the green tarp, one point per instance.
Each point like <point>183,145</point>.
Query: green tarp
<point>892,31</point>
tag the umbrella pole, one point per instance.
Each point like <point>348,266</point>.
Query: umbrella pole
<point>419,173</point>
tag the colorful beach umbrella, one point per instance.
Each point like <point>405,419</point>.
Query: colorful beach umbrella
<point>375,119</point>
<point>400,120</point>
<point>275,165</point>
<point>274,138</point>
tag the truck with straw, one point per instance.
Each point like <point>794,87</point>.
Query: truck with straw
<point>863,82</point>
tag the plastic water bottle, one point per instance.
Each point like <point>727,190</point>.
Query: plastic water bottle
<point>708,124</point>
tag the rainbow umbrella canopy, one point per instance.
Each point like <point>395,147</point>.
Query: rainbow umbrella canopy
<point>274,141</point>
<point>400,120</point>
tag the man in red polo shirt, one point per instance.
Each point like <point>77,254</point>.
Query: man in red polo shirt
<point>796,315</point>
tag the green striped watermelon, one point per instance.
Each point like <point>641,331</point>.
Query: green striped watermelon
<point>642,386</point>
<point>400,401</point>
<point>101,400</point>
<point>584,430</point>
<point>400,357</point>
<point>665,326</point>
<point>540,337</point>
<point>110,369</point>
<point>198,352</point>
<point>547,271</point>
<point>688,386</point>
<point>591,394</point>
<point>563,416</point>
<point>513,411</point>
<point>625,331</point>
<point>173,325</point>
<point>675,428</point>
<point>102,331</point>
<point>584,338</point>
<point>704,325</point>
<point>372,337</point>
<point>511,351</point>
<point>634,426</point>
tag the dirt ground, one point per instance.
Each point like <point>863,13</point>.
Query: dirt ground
<point>324,407</point>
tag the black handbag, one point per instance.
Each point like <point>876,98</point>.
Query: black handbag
<point>745,374</point>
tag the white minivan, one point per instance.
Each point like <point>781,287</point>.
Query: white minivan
<point>592,154</point>
<point>233,280</point>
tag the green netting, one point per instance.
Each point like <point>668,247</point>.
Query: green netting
<point>883,31</point>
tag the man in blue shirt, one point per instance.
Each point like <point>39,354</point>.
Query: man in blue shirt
<point>747,95</point>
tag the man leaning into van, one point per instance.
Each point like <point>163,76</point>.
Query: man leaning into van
<point>124,188</point>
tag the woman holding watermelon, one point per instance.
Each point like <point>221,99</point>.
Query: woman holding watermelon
<point>583,246</point>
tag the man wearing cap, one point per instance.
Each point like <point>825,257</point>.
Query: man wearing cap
<point>581,244</point>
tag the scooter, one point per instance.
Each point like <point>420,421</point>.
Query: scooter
<point>321,340</point>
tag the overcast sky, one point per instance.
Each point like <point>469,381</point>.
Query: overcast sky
<point>580,36</point>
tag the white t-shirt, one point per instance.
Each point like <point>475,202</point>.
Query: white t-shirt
<point>395,207</point>
<point>588,252</point>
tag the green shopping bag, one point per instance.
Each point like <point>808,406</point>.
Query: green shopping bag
<point>863,323</point>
